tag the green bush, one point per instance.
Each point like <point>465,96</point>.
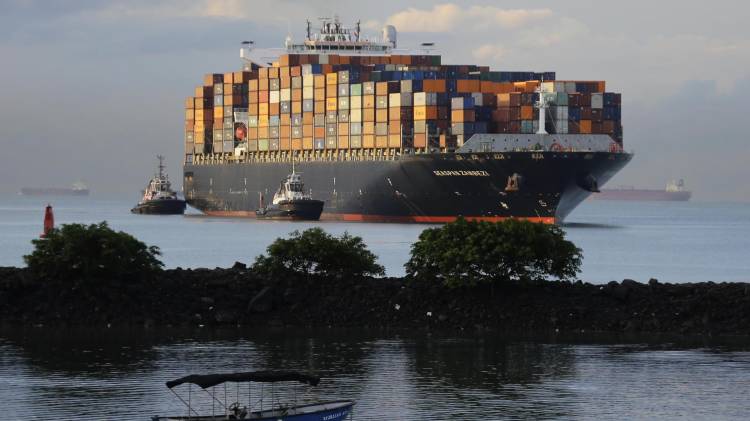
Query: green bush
<point>469,253</point>
<point>313,251</point>
<point>78,251</point>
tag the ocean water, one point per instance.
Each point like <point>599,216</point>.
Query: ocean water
<point>119,374</point>
<point>670,241</point>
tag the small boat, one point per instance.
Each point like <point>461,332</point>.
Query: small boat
<point>291,202</point>
<point>253,408</point>
<point>158,198</point>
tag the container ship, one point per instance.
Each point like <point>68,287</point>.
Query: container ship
<point>78,189</point>
<point>385,136</point>
<point>674,192</point>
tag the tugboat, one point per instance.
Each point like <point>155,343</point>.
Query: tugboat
<point>158,198</point>
<point>291,202</point>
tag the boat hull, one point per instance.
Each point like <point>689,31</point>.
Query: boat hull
<point>299,210</point>
<point>426,188</point>
<point>160,207</point>
<point>329,411</point>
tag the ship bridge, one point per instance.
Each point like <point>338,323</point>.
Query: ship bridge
<point>335,38</point>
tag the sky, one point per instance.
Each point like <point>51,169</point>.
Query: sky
<point>93,90</point>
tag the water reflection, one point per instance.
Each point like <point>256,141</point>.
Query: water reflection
<point>117,374</point>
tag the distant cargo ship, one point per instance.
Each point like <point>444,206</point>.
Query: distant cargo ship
<point>674,192</point>
<point>78,189</point>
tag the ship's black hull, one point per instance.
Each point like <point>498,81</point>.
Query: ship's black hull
<point>298,210</point>
<point>430,188</point>
<point>160,207</point>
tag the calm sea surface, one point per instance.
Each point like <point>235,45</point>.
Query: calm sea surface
<point>677,242</point>
<point>116,374</point>
<point>120,375</point>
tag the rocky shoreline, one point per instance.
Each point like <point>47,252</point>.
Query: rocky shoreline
<point>235,296</point>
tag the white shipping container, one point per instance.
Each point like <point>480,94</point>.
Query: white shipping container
<point>548,86</point>
<point>356,115</point>
<point>394,100</point>
<point>308,80</point>
<point>355,102</point>
<point>570,87</point>
<point>323,59</point>
<point>273,97</point>
<point>597,101</point>
<point>308,92</point>
<point>285,94</point>
<point>559,86</point>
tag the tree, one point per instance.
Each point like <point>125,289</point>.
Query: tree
<point>78,251</point>
<point>315,252</point>
<point>469,253</point>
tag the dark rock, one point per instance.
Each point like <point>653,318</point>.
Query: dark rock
<point>653,282</point>
<point>262,302</point>
<point>239,266</point>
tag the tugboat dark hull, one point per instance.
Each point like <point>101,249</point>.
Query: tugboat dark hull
<point>160,207</point>
<point>297,210</point>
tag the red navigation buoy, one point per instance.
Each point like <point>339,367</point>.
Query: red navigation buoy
<point>49,220</point>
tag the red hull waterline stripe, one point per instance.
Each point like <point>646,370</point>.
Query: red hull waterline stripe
<point>358,217</point>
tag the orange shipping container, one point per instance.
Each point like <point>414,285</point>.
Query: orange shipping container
<point>467,86</point>
<point>285,144</point>
<point>381,115</point>
<point>343,142</point>
<point>381,141</point>
<point>307,144</point>
<point>394,141</point>
<point>319,81</point>
<point>331,78</point>
<point>190,114</point>
<point>420,140</point>
<point>320,107</point>
<point>425,112</point>
<point>331,104</point>
<point>368,141</point>
<point>368,101</point>
<point>368,114</point>
<point>462,115</point>
<point>368,127</point>
<point>273,72</point>
<point>433,85</point>
<point>585,126</point>
<point>527,112</point>
<point>190,103</point>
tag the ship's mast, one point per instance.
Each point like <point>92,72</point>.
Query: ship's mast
<point>161,166</point>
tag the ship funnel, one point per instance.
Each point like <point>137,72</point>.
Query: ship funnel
<point>390,35</point>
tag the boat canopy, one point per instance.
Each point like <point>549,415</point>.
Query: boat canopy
<point>210,380</point>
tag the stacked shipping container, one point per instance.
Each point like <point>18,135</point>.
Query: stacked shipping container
<point>345,103</point>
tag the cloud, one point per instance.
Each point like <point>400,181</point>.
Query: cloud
<point>489,52</point>
<point>449,16</point>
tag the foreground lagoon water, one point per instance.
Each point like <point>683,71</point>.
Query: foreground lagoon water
<point>115,374</point>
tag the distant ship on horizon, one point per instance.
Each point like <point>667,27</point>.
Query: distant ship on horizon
<point>674,192</point>
<point>77,189</point>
